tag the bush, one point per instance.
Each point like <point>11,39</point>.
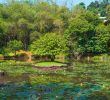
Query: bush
<point>60,58</point>
<point>1,57</point>
<point>51,44</point>
<point>22,56</point>
<point>101,58</point>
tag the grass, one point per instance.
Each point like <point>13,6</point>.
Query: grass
<point>48,64</point>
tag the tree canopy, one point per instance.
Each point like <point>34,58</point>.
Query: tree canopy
<point>50,44</point>
<point>14,45</point>
<point>49,28</point>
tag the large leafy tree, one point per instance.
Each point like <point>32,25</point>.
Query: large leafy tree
<point>94,6</point>
<point>101,39</point>
<point>43,22</point>
<point>99,6</point>
<point>78,35</point>
<point>29,22</point>
<point>14,45</point>
<point>51,44</point>
<point>81,31</point>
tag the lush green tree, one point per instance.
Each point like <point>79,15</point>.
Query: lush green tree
<point>78,35</point>
<point>29,22</point>
<point>108,12</point>
<point>24,32</point>
<point>34,36</point>
<point>99,6</point>
<point>43,22</point>
<point>101,39</point>
<point>94,6</point>
<point>51,44</point>
<point>3,30</point>
<point>14,45</point>
<point>81,5</point>
<point>81,31</point>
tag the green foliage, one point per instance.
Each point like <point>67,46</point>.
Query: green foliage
<point>79,26</point>
<point>1,55</point>
<point>102,39</point>
<point>49,44</point>
<point>108,12</point>
<point>78,34</point>
<point>87,33</point>
<point>101,58</point>
<point>14,45</point>
<point>99,7</point>
<point>29,22</point>
<point>34,35</point>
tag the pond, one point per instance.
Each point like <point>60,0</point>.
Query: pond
<point>81,81</point>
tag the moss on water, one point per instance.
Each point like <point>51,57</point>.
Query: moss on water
<point>48,64</point>
<point>45,79</point>
<point>78,73</point>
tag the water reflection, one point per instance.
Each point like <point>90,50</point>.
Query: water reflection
<point>81,82</point>
<point>51,91</point>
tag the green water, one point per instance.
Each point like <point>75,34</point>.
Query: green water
<point>81,81</point>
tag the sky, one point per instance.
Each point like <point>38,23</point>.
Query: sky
<point>87,2</point>
<point>73,2</point>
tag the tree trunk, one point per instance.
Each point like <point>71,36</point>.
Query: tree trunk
<point>52,57</point>
<point>15,55</point>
